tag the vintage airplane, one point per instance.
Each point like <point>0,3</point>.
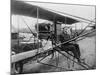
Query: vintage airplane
<point>25,9</point>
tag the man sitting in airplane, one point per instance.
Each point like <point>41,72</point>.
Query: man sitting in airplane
<point>73,47</point>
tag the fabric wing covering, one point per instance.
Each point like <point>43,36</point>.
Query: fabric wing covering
<point>25,9</point>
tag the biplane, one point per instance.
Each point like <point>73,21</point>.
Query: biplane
<point>48,32</point>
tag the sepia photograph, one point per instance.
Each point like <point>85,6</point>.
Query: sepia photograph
<point>52,37</point>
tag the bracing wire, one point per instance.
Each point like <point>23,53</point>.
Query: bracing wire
<point>70,15</point>
<point>86,27</point>
<point>28,28</point>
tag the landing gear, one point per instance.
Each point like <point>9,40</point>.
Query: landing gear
<point>17,68</point>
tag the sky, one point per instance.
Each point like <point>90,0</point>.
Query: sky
<point>87,12</point>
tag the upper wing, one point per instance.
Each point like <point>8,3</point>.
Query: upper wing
<point>22,8</point>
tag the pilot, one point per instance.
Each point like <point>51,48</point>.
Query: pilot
<point>73,47</point>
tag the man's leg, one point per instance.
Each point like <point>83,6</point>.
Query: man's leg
<point>74,48</point>
<point>78,49</point>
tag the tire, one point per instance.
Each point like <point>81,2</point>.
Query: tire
<point>18,67</point>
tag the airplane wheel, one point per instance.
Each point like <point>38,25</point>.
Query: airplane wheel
<point>18,67</point>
